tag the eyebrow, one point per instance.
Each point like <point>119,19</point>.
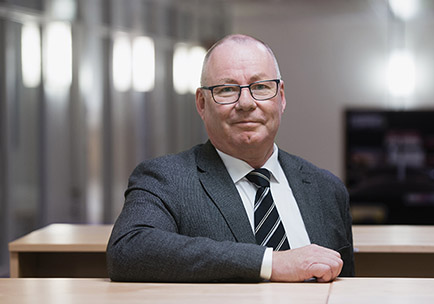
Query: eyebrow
<point>254,78</point>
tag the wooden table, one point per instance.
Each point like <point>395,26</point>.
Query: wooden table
<point>66,250</point>
<point>394,251</point>
<point>83,291</point>
<point>61,250</point>
<point>93,291</point>
<point>382,290</point>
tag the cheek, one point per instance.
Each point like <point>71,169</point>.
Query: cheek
<point>213,120</point>
<point>273,113</point>
<point>217,115</point>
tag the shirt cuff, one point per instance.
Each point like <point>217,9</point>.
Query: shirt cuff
<point>267,263</point>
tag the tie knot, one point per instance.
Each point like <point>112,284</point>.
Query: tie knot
<point>260,177</point>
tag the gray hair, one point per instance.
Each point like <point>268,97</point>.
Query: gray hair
<point>239,39</point>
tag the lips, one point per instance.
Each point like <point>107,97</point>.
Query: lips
<point>247,120</point>
<point>247,123</point>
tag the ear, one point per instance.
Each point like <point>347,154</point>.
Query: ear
<point>282,95</point>
<point>200,102</point>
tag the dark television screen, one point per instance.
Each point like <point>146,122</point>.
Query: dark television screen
<point>390,166</point>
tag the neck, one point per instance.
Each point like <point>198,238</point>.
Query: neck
<point>253,156</point>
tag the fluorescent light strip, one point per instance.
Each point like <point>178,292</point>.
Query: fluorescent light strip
<point>143,64</point>
<point>31,55</point>
<point>58,56</point>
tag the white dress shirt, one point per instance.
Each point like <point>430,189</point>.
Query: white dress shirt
<point>283,198</point>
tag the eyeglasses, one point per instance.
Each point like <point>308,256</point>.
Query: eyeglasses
<point>230,93</point>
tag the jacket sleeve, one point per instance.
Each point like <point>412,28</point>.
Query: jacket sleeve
<point>149,241</point>
<point>347,252</point>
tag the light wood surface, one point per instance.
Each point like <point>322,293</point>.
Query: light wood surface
<point>394,238</point>
<point>61,250</point>
<point>64,238</point>
<point>394,251</point>
<point>382,290</point>
<point>348,290</point>
<point>83,291</point>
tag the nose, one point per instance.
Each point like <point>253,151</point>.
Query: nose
<point>246,101</point>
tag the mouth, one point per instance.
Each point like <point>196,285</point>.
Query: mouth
<point>247,123</point>
<point>244,121</point>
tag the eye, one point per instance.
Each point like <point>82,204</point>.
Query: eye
<point>260,86</point>
<point>226,90</point>
<point>263,90</point>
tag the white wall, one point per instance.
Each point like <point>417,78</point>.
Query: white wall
<point>332,56</point>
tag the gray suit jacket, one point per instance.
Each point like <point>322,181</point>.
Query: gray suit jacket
<point>183,220</point>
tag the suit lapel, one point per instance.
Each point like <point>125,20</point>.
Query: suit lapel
<point>306,192</point>
<point>220,188</point>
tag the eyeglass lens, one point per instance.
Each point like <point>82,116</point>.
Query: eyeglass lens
<point>259,91</point>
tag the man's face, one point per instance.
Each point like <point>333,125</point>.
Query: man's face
<point>247,125</point>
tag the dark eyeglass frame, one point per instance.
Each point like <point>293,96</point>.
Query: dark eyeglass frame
<point>249,86</point>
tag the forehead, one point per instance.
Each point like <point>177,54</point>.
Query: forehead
<point>246,60</point>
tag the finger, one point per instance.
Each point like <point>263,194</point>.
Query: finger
<point>323,251</point>
<point>322,272</point>
<point>332,260</point>
<point>326,269</point>
<point>335,265</point>
<point>330,252</point>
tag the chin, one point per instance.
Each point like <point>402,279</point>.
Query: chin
<point>251,140</point>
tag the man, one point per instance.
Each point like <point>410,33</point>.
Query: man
<point>192,217</point>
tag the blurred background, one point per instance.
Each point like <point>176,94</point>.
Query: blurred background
<point>89,88</point>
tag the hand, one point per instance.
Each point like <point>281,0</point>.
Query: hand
<point>297,265</point>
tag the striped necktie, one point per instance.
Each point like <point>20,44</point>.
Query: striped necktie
<point>269,229</point>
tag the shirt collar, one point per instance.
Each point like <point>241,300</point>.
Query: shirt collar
<point>238,168</point>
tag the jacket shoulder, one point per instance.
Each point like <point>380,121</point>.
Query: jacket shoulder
<point>167,169</point>
<point>294,162</point>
